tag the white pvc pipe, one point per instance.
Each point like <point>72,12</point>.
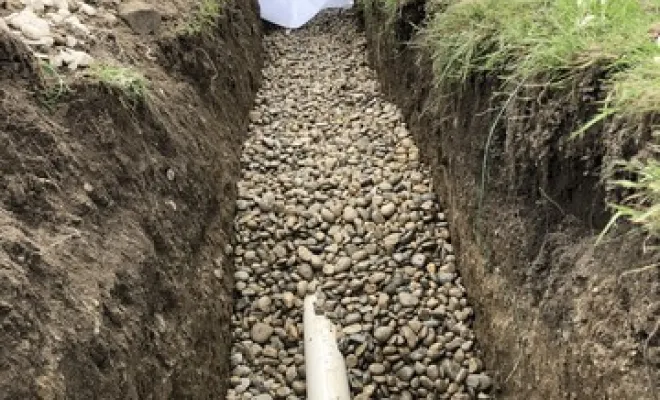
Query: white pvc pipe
<point>325,369</point>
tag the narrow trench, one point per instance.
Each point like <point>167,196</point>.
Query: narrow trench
<point>334,201</point>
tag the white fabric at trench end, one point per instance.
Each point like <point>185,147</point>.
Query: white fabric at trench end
<point>293,14</point>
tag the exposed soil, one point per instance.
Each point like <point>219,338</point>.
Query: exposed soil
<point>562,317</point>
<point>116,215</point>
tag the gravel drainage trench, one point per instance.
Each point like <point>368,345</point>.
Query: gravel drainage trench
<point>334,201</point>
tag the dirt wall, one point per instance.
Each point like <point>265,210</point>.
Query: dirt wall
<point>557,316</point>
<point>116,219</point>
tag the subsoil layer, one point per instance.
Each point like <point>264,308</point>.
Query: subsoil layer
<point>116,215</point>
<point>561,318</point>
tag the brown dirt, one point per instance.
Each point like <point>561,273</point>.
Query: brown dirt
<point>116,216</point>
<point>558,316</point>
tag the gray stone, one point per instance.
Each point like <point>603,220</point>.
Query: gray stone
<point>394,283</point>
<point>359,255</point>
<point>408,299</point>
<point>350,214</point>
<point>433,372</point>
<point>264,303</point>
<point>327,215</point>
<point>418,260</point>
<point>486,382</point>
<point>388,210</point>
<point>261,332</point>
<point>462,374</point>
<point>305,254</point>
<point>316,261</point>
<point>329,269</point>
<point>305,271</point>
<point>31,26</point>
<point>451,369</point>
<point>140,16</point>
<point>445,277</point>
<point>406,373</point>
<point>474,365</point>
<point>299,387</point>
<point>351,361</point>
<point>289,299</point>
<point>343,264</point>
<point>241,275</point>
<point>352,329</point>
<point>454,344</point>
<point>377,369</point>
<point>383,333</point>
<point>410,336</point>
<point>473,381</point>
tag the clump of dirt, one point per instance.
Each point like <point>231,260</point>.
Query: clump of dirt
<point>560,316</point>
<point>116,210</point>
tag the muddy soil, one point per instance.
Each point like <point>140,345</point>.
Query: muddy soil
<point>563,318</point>
<point>116,215</point>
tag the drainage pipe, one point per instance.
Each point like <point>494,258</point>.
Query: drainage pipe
<point>325,369</point>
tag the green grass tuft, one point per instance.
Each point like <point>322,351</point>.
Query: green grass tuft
<point>636,91</point>
<point>203,17</point>
<point>55,87</point>
<point>642,207</point>
<point>132,83</point>
<point>519,39</point>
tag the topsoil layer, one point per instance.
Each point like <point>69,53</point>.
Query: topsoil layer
<point>559,317</point>
<point>116,213</point>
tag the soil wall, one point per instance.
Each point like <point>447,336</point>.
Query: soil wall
<point>557,316</point>
<point>116,219</point>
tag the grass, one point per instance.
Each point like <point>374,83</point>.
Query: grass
<point>636,91</point>
<point>554,41</point>
<point>518,39</point>
<point>132,83</point>
<point>55,86</point>
<point>203,18</point>
<point>642,207</point>
<point>127,80</point>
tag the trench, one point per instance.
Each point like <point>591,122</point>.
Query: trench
<point>118,280</point>
<point>333,200</point>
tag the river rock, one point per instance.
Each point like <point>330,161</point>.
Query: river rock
<point>334,201</point>
<point>261,332</point>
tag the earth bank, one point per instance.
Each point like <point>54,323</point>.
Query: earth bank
<point>116,206</point>
<point>562,318</point>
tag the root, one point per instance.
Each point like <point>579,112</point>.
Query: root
<point>554,203</point>
<point>652,382</point>
<point>208,57</point>
<point>515,367</point>
<point>638,271</point>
